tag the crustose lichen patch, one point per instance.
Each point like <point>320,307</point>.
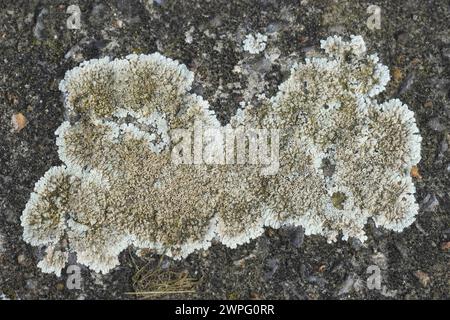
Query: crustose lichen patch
<point>342,158</point>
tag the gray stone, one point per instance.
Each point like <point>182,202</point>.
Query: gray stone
<point>37,48</point>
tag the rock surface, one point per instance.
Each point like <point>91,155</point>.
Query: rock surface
<point>37,47</point>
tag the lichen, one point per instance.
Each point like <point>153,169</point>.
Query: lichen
<point>255,44</point>
<point>342,158</point>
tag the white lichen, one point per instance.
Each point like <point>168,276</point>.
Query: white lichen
<point>343,158</point>
<point>54,261</point>
<point>255,44</point>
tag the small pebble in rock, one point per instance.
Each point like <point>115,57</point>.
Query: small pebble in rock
<point>446,53</point>
<point>271,267</point>
<point>31,284</point>
<point>445,246</point>
<point>297,236</point>
<point>407,84</point>
<point>18,121</point>
<point>2,244</point>
<point>423,277</point>
<point>436,125</point>
<point>430,203</point>
<point>38,30</point>
<point>397,74</point>
<point>60,286</point>
<point>21,259</point>
<point>347,286</point>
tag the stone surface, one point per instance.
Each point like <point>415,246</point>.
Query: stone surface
<point>37,47</point>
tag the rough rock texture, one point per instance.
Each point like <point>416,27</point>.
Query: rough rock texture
<point>37,48</point>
